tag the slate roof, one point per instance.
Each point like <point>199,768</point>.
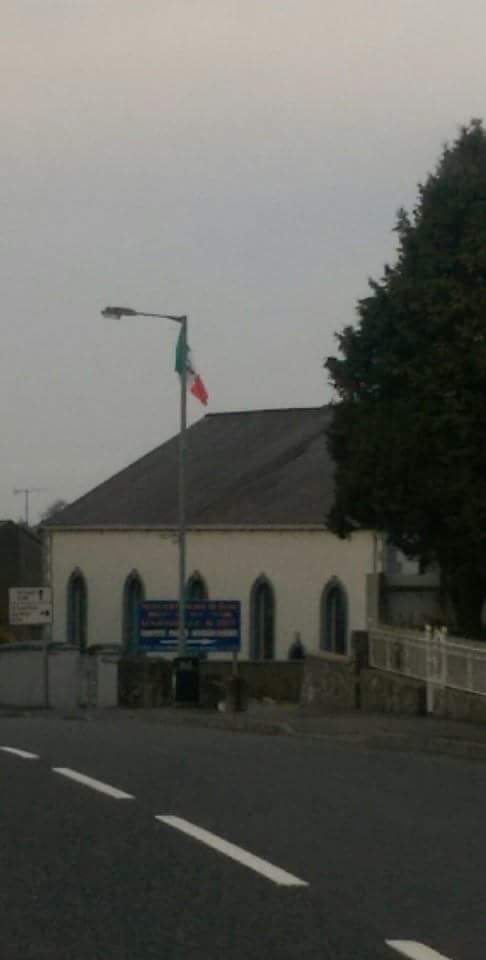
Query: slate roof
<point>257,468</point>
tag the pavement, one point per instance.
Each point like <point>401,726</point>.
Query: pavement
<point>408,733</point>
<point>379,731</point>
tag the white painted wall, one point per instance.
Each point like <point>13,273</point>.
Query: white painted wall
<point>64,678</point>
<point>107,682</point>
<point>298,564</point>
<point>22,682</point>
<point>22,678</point>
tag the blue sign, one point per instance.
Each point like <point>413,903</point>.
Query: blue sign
<point>211,625</point>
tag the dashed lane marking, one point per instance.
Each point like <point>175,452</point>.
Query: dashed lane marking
<point>21,753</point>
<point>94,784</point>
<point>260,866</point>
<point>414,950</point>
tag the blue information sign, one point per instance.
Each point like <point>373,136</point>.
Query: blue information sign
<point>211,625</point>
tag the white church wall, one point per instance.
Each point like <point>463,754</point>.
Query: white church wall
<point>297,563</point>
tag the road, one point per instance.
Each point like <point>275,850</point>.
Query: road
<point>335,849</point>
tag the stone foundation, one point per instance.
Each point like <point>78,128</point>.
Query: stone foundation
<point>143,682</point>
<point>330,684</point>
<point>278,680</point>
<point>383,692</point>
<point>459,705</point>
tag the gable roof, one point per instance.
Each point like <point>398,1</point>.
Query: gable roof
<point>263,467</point>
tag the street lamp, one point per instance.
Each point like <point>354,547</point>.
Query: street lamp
<point>119,312</point>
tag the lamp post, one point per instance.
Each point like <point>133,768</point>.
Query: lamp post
<point>119,312</point>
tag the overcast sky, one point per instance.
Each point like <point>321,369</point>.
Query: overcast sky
<point>238,160</point>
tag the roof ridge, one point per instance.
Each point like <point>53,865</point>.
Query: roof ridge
<point>246,413</point>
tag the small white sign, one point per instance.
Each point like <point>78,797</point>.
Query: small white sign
<point>29,606</point>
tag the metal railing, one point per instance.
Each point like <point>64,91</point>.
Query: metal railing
<point>432,656</point>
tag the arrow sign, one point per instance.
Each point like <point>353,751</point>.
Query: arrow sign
<point>29,606</point>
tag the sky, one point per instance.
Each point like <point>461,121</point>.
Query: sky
<point>239,161</point>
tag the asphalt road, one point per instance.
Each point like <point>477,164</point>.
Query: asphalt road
<point>390,847</point>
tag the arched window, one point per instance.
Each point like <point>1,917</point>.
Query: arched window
<point>262,620</point>
<point>334,618</point>
<point>77,609</point>
<point>133,595</point>
<point>196,588</point>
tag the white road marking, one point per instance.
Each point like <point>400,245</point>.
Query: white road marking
<point>21,753</point>
<point>94,784</point>
<point>236,853</point>
<point>414,950</point>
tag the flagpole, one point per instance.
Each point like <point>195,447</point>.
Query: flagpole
<point>119,312</point>
<point>182,494</point>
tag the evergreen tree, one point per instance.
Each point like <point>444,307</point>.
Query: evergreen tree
<point>409,426</point>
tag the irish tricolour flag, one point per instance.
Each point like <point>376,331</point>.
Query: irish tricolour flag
<point>194,382</point>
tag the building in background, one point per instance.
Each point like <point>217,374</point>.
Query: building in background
<point>20,566</point>
<point>259,487</point>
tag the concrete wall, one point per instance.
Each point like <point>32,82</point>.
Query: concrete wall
<point>63,667</point>
<point>107,681</point>
<point>22,677</point>
<point>298,564</point>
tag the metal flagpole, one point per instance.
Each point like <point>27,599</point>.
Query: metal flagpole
<point>182,495</point>
<point>129,312</point>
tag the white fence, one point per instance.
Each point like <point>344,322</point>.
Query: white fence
<point>432,656</point>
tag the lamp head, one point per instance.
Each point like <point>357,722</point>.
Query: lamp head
<point>118,312</point>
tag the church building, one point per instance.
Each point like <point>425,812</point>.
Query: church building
<point>259,487</point>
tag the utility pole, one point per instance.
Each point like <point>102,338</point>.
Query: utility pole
<point>27,491</point>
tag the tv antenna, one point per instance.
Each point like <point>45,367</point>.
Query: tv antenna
<point>26,492</point>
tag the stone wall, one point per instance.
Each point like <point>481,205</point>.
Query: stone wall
<point>383,692</point>
<point>333,683</point>
<point>279,680</point>
<point>459,705</point>
<point>144,682</point>
<point>330,684</point>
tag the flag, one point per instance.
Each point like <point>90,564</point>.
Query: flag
<point>194,382</point>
